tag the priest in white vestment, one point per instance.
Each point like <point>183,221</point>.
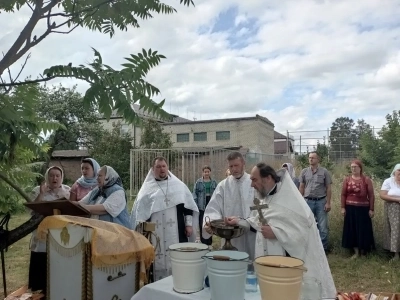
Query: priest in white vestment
<point>166,201</point>
<point>233,197</point>
<point>291,228</point>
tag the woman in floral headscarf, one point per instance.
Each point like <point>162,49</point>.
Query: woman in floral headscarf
<point>107,201</point>
<point>390,193</point>
<point>88,180</point>
<point>51,189</point>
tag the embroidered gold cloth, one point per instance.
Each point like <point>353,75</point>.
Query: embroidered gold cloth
<point>111,244</point>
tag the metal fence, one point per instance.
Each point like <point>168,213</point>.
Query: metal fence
<point>342,146</point>
<point>187,163</point>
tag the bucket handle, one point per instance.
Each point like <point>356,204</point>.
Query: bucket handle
<point>189,249</point>
<point>224,258</point>
<point>270,264</point>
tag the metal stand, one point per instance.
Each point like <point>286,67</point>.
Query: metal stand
<point>3,236</point>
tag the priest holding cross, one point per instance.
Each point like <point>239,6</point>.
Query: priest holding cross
<point>166,201</point>
<point>285,224</point>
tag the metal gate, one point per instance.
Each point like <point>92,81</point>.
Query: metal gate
<point>187,163</point>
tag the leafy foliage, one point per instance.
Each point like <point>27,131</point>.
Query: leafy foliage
<point>113,148</point>
<point>110,89</point>
<point>19,123</point>
<point>154,137</point>
<point>21,142</point>
<point>117,90</point>
<point>381,153</point>
<point>345,136</point>
<point>66,107</point>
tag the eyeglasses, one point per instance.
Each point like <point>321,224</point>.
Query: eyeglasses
<point>354,167</point>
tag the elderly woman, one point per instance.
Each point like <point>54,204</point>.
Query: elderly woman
<point>51,189</point>
<point>357,203</point>
<point>202,192</point>
<point>88,180</point>
<point>390,193</point>
<point>107,201</point>
<point>289,167</point>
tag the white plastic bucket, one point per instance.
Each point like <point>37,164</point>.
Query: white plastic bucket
<point>188,266</point>
<point>227,274</point>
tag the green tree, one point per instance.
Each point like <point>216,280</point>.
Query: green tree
<point>380,153</point>
<point>65,106</point>
<point>109,89</point>
<point>21,142</point>
<point>113,148</point>
<point>342,138</point>
<point>153,136</point>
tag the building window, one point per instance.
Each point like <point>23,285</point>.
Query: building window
<point>223,135</point>
<point>124,129</point>
<point>200,136</point>
<point>182,137</point>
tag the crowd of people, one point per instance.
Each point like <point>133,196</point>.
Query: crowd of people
<point>297,213</point>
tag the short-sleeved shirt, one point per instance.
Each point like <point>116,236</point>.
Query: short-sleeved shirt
<point>37,245</point>
<point>315,182</point>
<point>114,204</point>
<point>80,191</point>
<point>391,186</point>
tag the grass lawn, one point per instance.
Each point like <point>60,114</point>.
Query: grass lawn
<point>368,274</point>
<point>373,273</point>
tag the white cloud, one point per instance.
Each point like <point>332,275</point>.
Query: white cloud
<point>306,63</point>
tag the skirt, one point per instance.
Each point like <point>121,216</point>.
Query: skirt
<point>391,238</point>
<point>357,229</point>
<point>38,272</point>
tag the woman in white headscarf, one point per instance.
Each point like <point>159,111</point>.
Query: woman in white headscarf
<point>289,167</point>
<point>107,201</point>
<point>390,193</point>
<point>51,189</point>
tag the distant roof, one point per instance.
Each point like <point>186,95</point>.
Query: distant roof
<point>70,153</point>
<point>264,119</point>
<point>145,114</point>
<point>280,147</point>
<point>280,136</point>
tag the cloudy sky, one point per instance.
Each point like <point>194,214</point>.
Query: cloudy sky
<point>300,63</point>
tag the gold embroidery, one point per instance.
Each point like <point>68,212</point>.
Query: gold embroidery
<point>64,235</point>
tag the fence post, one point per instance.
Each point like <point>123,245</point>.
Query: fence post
<point>183,166</point>
<point>287,144</point>
<point>132,175</point>
<point>300,146</point>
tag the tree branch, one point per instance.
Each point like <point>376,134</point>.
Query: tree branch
<point>13,54</point>
<point>15,187</point>
<point>29,6</point>
<point>22,67</point>
<point>27,82</point>
<point>21,231</point>
<point>75,13</point>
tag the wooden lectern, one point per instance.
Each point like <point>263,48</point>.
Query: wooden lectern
<point>58,207</point>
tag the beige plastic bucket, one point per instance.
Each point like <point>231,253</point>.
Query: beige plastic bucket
<point>279,277</point>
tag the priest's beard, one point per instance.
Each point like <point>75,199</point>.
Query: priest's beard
<point>263,192</point>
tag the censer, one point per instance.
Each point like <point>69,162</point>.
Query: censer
<point>228,232</point>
